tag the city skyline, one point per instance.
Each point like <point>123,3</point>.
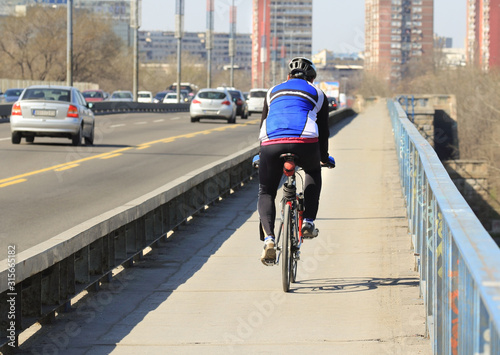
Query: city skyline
<point>345,34</point>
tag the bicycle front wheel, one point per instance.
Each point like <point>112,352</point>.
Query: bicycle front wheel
<point>286,255</point>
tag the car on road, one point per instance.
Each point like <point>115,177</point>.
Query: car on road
<point>52,111</point>
<point>213,104</point>
<point>11,95</point>
<point>171,98</point>
<point>160,96</point>
<point>255,100</point>
<point>145,96</point>
<point>239,100</point>
<point>189,88</point>
<point>94,95</point>
<point>332,104</point>
<point>122,95</point>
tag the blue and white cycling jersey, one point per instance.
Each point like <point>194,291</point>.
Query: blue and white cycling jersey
<point>292,113</point>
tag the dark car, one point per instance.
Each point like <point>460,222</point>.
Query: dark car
<point>11,95</point>
<point>332,104</point>
<point>160,96</point>
<point>239,100</point>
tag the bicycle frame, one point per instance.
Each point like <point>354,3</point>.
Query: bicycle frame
<point>292,207</point>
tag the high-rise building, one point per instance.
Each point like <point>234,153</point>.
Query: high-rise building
<point>281,29</point>
<point>398,34</point>
<point>483,33</point>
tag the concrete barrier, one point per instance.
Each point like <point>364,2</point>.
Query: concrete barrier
<point>49,274</point>
<point>5,110</point>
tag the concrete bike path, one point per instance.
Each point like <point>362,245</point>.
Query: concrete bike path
<point>204,291</point>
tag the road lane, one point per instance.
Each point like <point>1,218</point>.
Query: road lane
<point>50,186</point>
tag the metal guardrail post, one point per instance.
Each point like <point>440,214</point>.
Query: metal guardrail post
<point>120,243</point>
<point>96,256</point>
<point>31,296</point>
<point>132,244</point>
<point>157,224</point>
<point>82,266</point>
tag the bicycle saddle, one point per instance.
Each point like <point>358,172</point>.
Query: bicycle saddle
<point>290,162</point>
<point>290,156</point>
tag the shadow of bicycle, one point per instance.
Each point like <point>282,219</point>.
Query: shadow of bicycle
<point>350,284</point>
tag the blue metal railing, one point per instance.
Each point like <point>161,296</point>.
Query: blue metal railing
<point>458,262</point>
<point>408,102</point>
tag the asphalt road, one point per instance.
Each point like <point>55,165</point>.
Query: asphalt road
<point>50,186</point>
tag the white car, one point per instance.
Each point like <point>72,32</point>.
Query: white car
<point>255,101</point>
<point>213,104</point>
<point>52,111</point>
<point>145,96</point>
<point>171,98</point>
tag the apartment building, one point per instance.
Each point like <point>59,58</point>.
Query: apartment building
<point>483,33</point>
<point>281,29</point>
<point>398,34</point>
<point>157,46</point>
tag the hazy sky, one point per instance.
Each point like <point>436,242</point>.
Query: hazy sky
<point>338,25</point>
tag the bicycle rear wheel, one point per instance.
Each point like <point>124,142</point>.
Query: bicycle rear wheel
<point>294,256</point>
<point>286,255</point>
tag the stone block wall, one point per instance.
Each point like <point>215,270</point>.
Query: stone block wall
<point>470,177</point>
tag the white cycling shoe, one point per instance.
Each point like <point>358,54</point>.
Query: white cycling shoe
<point>268,257</point>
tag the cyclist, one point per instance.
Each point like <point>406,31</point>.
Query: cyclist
<point>294,120</point>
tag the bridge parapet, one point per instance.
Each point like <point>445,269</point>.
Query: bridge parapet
<point>435,116</point>
<point>458,261</point>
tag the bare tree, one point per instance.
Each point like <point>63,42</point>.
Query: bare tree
<point>34,46</point>
<point>97,49</point>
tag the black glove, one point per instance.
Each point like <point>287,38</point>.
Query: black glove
<point>330,164</point>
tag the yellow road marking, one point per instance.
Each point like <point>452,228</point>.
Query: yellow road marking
<point>67,167</point>
<point>12,182</point>
<point>60,167</point>
<point>111,156</point>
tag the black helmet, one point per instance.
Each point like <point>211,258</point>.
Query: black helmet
<point>300,66</point>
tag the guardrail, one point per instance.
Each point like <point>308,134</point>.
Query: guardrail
<point>43,279</point>
<point>5,110</point>
<point>458,262</point>
<point>110,107</point>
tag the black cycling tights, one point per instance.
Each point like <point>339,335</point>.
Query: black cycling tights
<point>271,171</point>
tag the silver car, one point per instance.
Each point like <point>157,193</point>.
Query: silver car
<point>122,95</point>
<point>213,103</point>
<point>52,111</point>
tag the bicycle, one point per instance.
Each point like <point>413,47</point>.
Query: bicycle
<point>289,238</point>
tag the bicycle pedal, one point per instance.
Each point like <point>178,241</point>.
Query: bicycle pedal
<point>310,235</point>
<point>269,262</point>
